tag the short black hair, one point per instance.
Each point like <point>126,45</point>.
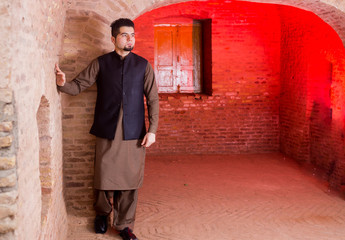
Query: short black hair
<point>121,22</point>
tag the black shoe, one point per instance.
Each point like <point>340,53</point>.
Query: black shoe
<point>101,224</point>
<point>127,234</point>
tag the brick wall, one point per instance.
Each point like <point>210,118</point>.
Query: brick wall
<point>31,188</point>
<point>241,116</point>
<point>311,102</point>
<point>31,183</point>
<point>87,36</point>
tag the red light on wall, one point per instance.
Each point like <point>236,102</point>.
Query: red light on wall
<point>261,56</point>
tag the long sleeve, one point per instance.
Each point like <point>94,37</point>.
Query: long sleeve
<point>85,79</point>
<point>152,99</point>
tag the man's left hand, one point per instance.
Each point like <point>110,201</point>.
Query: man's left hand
<point>148,139</point>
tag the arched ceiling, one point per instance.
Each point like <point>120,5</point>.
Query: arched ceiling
<point>330,11</point>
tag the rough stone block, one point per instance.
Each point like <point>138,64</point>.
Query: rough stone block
<point>6,141</point>
<point>8,110</point>
<point>7,211</point>
<point>8,181</point>
<point>8,197</point>
<point>8,236</point>
<point>7,162</point>
<point>7,224</point>
<point>6,126</point>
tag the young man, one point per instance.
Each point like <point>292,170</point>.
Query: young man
<point>122,79</point>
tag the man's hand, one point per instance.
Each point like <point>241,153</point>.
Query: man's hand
<point>60,76</point>
<point>148,139</point>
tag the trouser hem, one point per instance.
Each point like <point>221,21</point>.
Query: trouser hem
<point>120,227</point>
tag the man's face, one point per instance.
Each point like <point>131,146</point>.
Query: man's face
<point>125,40</point>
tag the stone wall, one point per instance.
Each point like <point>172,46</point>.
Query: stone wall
<point>8,132</point>
<point>31,191</point>
<point>8,173</point>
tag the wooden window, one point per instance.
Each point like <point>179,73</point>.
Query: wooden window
<point>178,57</point>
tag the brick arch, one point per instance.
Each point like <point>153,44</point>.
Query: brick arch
<point>87,24</point>
<point>331,14</point>
<point>87,36</point>
<point>329,11</point>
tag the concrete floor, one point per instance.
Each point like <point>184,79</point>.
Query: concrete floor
<point>239,197</point>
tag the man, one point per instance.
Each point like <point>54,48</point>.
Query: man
<point>122,79</point>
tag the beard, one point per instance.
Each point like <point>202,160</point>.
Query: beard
<point>128,48</point>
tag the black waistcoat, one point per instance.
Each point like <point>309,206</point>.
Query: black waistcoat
<point>120,82</point>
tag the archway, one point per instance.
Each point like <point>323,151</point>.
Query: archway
<point>246,104</point>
